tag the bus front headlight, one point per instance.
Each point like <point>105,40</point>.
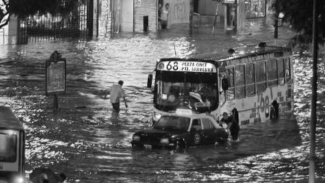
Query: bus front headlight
<point>19,179</point>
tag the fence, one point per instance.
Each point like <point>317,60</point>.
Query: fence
<point>78,24</point>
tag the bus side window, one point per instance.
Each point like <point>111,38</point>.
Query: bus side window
<point>260,77</point>
<point>271,66</point>
<point>240,81</point>
<point>231,89</point>
<point>250,79</point>
<point>287,69</point>
<point>281,71</point>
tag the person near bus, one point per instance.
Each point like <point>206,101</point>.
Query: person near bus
<point>232,125</point>
<point>117,92</point>
<point>160,8</point>
<point>164,16</point>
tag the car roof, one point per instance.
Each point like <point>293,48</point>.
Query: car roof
<point>8,120</point>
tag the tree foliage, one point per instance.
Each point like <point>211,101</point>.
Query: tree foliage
<point>4,13</point>
<point>299,14</point>
<point>25,8</point>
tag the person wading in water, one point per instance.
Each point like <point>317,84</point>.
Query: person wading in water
<point>116,93</point>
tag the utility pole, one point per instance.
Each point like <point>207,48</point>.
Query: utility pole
<point>314,98</point>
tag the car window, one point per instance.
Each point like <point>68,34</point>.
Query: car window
<point>173,122</point>
<point>197,124</point>
<point>207,124</point>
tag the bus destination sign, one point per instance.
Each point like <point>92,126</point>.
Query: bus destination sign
<point>186,66</point>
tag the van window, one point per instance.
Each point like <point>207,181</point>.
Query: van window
<point>240,81</point>
<point>250,79</point>
<point>8,147</point>
<point>260,77</point>
<point>281,71</point>
<point>197,124</point>
<point>231,89</point>
<point>287,69</point>
<point>271,66</point>
<point>207,124</point>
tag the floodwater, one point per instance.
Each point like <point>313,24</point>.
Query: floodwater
<point>81,141</point>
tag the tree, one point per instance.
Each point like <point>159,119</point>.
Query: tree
<point>25,8</point>
<point>299,14</point>
<point>4,13</point>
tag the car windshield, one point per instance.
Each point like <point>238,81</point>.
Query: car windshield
<point>173,122</point>
<point>8,147</point>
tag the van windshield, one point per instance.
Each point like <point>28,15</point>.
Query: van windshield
<point>8,147</point>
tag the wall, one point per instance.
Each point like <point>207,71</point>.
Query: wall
<point>126,15</point>
<point>13,30</point>
<point>145,8</point>
<point>179,11</point>
<point>105,18</point>
<point>209,8</point>
<point>241,15</point>
<point>95,16</point>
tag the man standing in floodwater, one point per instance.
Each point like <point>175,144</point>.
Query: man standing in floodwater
<point>164,16</point>
<point>116,93</point>
<point>232,125</point>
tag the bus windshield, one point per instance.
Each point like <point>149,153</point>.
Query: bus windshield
<point>8,147</point>
<point>196,91</point>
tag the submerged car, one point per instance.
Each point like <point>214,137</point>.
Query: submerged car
<point>178,132</point>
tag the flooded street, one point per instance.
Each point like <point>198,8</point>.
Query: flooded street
<point>81,141</point>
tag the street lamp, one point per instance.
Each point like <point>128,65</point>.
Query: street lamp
<point>278,17</point>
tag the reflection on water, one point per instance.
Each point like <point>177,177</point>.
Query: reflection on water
<point>85,144</point>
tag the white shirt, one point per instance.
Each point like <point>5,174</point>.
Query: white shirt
<point>116,93</point>
<point>164,14</point>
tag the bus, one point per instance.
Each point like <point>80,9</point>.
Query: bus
<point>12,148</point>
<point>252,83</point>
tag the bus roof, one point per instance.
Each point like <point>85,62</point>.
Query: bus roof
<point>8,120</point>
<point>233,56</point>
<point>241,52</point>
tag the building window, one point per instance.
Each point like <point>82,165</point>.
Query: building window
<point>255,8</point>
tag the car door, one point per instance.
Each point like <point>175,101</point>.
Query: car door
<point>197,136</point>
<point>209,130</point>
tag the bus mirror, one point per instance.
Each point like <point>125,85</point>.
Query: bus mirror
<point>149,83</point>
<point>225,84</point>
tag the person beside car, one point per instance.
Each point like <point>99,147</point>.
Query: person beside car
<point>232,124</point>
